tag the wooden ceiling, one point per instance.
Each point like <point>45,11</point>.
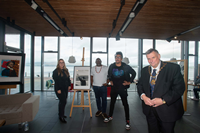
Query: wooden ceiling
<point>158,19</point>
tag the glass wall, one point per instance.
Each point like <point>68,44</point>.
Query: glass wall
<point>13,40</point>
<point>74,46</point>
<point>168,50</point>
<point>50,43</point>
<point>199,58</point>
<point>50,59</point>
<point>147,44</point>
<point>191,61</point>
<point>99,45</point>
<point>37,67</point>
<point>27,51</point>
<point>129,48</point>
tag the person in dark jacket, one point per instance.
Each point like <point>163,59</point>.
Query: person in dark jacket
<point>62,85</point>
<point>196,95</point>
<point>160,88</point>
<point>120,80</point>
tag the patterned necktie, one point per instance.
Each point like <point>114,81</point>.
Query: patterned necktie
<point>153,82</point>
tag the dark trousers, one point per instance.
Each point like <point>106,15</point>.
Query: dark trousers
<point>62,102</point>
<point>196,92</point>
<point>123,94</point>
<point>155,125</point>
<point>101,97</point>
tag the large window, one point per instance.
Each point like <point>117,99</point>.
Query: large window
<point>37,67</point>
<point>168,50</point>
<point>27,51</point>
<point>129,48</point>
<point>191,60</point>
<point>99,45</point>
<point>199,58</point>
<point>50,59</point>
<point>13,40</point>
<point>74,46</point>
<point>147,44</point>
<point>50,43</point>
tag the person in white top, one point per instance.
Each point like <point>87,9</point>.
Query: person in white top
<point>99,83</point>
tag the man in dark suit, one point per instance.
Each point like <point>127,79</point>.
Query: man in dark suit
<point>160,88</point>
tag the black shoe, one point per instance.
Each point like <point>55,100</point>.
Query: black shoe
<point>62,119</point>
<point>65,116</point>
<point>98,113</point>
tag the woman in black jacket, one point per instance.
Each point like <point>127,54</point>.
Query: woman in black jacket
<point>62,85</point>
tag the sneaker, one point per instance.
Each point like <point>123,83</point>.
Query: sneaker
<point>128,126</point>
<point>110,118</point>
<point>195,99</point>
<point>98,113</point>
<point>105,116</point>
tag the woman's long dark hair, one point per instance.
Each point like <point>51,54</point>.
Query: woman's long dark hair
<point>64,68</point>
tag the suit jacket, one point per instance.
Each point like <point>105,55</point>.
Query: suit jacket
<point>169,86</point>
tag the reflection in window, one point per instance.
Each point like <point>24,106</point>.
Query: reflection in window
<point>37,67</point>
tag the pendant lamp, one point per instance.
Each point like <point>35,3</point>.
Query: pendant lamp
<point>72,58</point>
<point>125,59</point>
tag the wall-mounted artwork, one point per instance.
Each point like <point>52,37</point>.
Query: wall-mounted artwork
<point>82,77</point>
<point>11,68</point>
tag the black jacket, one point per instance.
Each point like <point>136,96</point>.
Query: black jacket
<point>61,83</point>
<point>127,71</point>
<point>169,86</point>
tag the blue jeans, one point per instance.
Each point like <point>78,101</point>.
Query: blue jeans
<point>101,97</point>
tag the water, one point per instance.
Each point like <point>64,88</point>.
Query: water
<point>49,69</point>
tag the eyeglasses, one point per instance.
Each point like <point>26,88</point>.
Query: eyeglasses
<point>118,57</point>
<point>61,62</point>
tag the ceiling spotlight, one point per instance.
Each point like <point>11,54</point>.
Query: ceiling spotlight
<point>132,15</point>
<point>175,37</point>
<point>34,5</point>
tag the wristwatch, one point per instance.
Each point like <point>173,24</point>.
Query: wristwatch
<point>163,101</point>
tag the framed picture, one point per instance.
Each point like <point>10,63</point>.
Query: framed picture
<point>82,77</point>
<point>11,68</point>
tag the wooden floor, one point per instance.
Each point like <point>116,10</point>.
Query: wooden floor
<point>47,121</point>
